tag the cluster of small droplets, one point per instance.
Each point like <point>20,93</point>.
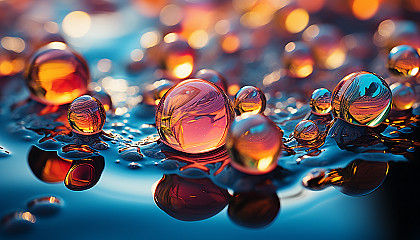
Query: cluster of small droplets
<point>249,99</point>
<point>86,115</point>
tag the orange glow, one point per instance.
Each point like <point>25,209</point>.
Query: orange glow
<point>365,9</point>
<point>233,89</point>
<point>6,68</point>
<point>76,24</point>
<point>198,39</point>
<point>180,66</point>
<point>231,43</point>
<point>311,5</point>
<point>297,20</point>
<point>259,15</point>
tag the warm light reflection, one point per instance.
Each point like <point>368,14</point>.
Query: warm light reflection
<point>290,47</point>
<point>365,9</point>
<point>51,27</point>
<point>198,39</point>
<point>183,70</point>
<point>170,37</point>
<point>310,33</point>
<point>171,15</point>
<point>230,43</point>
<point>297,20</point>
<point>104,65</point>
<point>150,39</point>
<point>233,89</point>
<point>335,59</point>
<point>259,15</point>
<point>222,27</point>
<point>15,44</point>
<point>137,55</point>
<point>76,24</point>
<point>386,28</point>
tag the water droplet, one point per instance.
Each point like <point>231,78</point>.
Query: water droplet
<point>193,200</point>
<point>45,206</point>
<point>131,154</point>
<point>103,98</point>
<point>403,96</point>
<point>178,59</point>
<point>4,152</point>
<point>194,106</point>
<point>134,165</point>
<point>254,143</point>
<point>305,131</point>
<point>86,115</point>
<point>76,151</point>
<point>249,99</point>
<point>321,101</point>
<point>361,98</point>
<point>18,222</point>
<point>404,60</point>
<point>298,60</point>
<point>56,75</point>
<point>214,77</point>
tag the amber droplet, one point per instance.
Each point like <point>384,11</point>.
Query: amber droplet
<point>178,59</point>
<point>254,210</point>
<point>86,115</point>
<point>361,98</point>
<point>194,116</point>
<point>306,130</point>
<point>214,77</point>
<point>298,60</point>
<point>404,60</point>
<point>189,199</point>
<point>249,99</point>
<point>56,75</point>
<point>155,91</point>
<point>254,143</point>
<point>403,96</point>
<point>47,165</point>
<point>321,101</point>
<point>84,174</point>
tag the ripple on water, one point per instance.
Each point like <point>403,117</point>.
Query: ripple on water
<point>45,206</point>
<point>18,222</point>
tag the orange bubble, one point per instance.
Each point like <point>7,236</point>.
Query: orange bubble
<point>86,115</point>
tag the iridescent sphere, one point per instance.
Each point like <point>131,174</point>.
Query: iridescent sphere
<point>86,115</point>
<point>254,143</point>
<point>321,101</point>
<point>214,77</point>
<point>155,91</point>
<point>404,60</point>
<point>194,116</point>
<point>306,130</point>
<point>361,98</point>
<point>403,96</point>
<point>56,75</point>
<point>298,60</point>
<point>249,99</point>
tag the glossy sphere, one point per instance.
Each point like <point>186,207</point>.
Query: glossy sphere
<point>404,60</point>
<point>189,199</point>
<point>194,116</point>
<point>213,77</point>
<point>403,96</point>
<point>56,75</point>
<point>86,115</point>
<point>361,98</point>
<point>321,101</point>
<point>306,130</point>
<point>249,99</point>
<point>298,60</point>
<point>154,92</point>
<point>254,143</point>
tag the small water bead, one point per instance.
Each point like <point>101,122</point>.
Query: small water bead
<point>45,206</point>
<point>305,131</point>
<point>249,99</point>
<point>86,115</point>
<point>194,117</point>
<point>178,59</point>
<point>403,96</point>
<point>254,143</point>
<point>104,98</point>
<point>361,98</point>
<point>321,101</point>
<point>298,60</point>
<point>214,77</point>
<point>56,75</point>
<point>404,60</point>
<point>155,91</point>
